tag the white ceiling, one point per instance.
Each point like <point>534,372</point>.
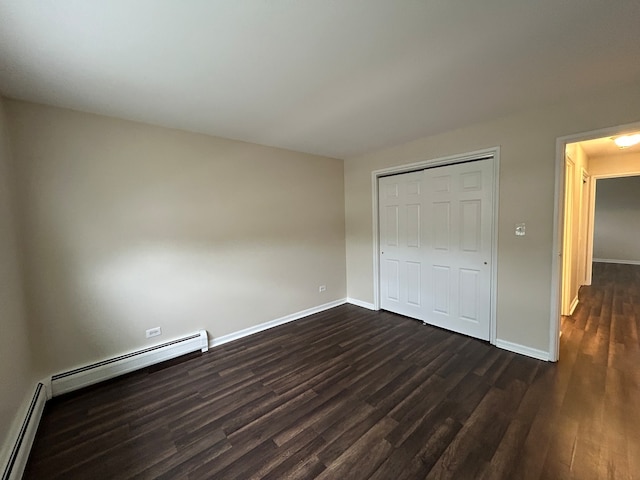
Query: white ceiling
<point>605,147</point>
<point>332,77</point>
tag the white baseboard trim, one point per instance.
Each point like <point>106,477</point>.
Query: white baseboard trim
<point>574,304</point>
<point>613,260</point>
<point>14,458</point>
<point>360,303</point>
<point>523,350</point>
<point>104,370</point>
<point>274,323</point>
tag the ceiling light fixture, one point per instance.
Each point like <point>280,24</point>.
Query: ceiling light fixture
<point>626,141</point>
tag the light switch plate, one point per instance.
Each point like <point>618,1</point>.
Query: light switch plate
<point>520,229</point>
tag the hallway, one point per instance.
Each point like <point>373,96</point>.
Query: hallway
<point>599,417</point>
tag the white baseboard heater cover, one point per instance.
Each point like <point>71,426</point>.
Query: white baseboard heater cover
<point>97,372</point>
<point>17,460</point>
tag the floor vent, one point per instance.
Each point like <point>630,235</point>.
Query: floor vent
<point>21,448</point>
<point>97,372</point>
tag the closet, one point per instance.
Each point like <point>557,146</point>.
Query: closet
<point>436,231</point>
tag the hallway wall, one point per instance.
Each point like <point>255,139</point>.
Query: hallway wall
<point>617,220</point>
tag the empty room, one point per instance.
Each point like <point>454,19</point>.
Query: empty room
<point>338,240</point>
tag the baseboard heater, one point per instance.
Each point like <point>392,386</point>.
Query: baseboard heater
<point>20,452</point>
<point>97,372</point>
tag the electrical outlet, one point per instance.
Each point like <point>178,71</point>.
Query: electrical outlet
<point>154,332</point>
<point>322,288</point>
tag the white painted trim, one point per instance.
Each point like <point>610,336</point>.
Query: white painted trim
<point>556,264</point>
<point>494,252</point>
<point>110,368</point>
<point>591,215</point>
<point>438,162</point>
<point>47,386</point>
<point>567,244</point>
<point>583,248</point>
<point>15,453</point>
<point>601,176</point>
<point>360,303</point>
<point>611,260</point>
<point>274,323</point>
<point>556,257</point>
<point>523,350</point>
<point>574,305</point>
<point>376,241</point>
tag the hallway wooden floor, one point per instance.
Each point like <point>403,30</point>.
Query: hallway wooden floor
<point>354,394</point>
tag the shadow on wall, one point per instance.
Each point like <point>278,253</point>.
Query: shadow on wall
<point>131,227</point>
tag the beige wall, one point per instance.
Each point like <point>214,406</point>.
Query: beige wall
<point>527,176</point>
<point>131,226</point>
<point>17,382</point>
<point>617,220</point>
<point>615,165</point>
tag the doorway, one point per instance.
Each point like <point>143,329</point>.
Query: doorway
<point>580,161</point>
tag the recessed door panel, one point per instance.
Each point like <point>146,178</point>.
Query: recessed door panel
<point>392,230</point>
<point>413,226</point>
<point>441,225</point>
<point>414,283</point>
<point>471,181</point>
<point>440,183</point>
<point>468,297</point>
<point>393,280</point>
<point>470,224</point>
<point>441,282</point>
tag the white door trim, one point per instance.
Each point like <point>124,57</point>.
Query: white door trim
<point>568,302</point>
<point>588,217</point>
<point>493,152</point>
<point>558,224</point>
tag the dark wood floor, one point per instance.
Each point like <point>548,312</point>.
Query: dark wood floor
<point>354,394</point>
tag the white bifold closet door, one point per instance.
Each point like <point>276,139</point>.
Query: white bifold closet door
<point>435,245</point>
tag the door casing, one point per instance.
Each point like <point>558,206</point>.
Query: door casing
<point>558,224</point>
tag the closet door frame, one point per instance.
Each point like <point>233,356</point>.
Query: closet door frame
<point>493,153</point>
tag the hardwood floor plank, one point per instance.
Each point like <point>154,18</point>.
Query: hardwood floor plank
<point>341,436</point>
<point>364,456</point>
<point>433,447</point>
<point>354,394</point>
<point>203,450</point>
<point>290,456</point>
<point>485,420</point>
<point>507,453</point>
<point>411,444</point>
<point>301,464</point>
